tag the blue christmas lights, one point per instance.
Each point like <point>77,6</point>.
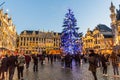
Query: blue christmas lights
<point>70,39</point>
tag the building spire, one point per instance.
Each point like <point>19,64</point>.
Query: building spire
<point>111,3</point>
<point>112,7</point>
<point>113,14</point>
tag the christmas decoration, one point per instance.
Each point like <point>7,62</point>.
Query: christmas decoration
<point>70,38</point>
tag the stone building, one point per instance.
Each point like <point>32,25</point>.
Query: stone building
<point>99,39</point>
<point>115,25</point>
<point>8,32</point>
<point>38,41</point>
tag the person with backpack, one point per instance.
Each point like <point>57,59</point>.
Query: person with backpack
<point>93,63</point>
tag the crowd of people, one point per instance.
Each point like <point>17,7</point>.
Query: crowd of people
<point>95,61</point>
<point>103,60</point>
<point>8,63</point>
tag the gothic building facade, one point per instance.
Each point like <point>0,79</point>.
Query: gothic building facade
<point>8,32</point>
<point>38,41</point>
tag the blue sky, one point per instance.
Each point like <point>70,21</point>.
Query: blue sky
<point>49,14</point>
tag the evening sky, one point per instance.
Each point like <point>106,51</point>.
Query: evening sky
<point>48,15</point>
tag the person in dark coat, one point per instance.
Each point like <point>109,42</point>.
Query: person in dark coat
<point>35,61</point>
<point>27,60</point>
<point>77,59</point>
<point>42,58</point>
<point>104,64</point>
<point>12,61</point>
<point>48,57</point>
<point>93,63</point>
<point>51,58</point>
<point>68,61</point>
<point>4,66</point>
<point>115,63</point>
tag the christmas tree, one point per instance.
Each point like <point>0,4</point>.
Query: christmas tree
<point>70,38</point>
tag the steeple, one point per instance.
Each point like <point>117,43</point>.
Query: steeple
<point>113,14</point>
<point>112,8</point>
<point>112,4</point>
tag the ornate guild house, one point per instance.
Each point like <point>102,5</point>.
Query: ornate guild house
<point>100,39</point>
<point>8,32</point>
<point>37,41</point>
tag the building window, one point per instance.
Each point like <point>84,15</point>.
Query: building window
<point>24,44</point>
<point>40,39</point>
<point>36,39</point>
<point>27,38</point>
<point>21,38</point>
<point>30,38</point>
<point>33,38</point>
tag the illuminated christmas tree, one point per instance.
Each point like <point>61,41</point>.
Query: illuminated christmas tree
<point>70,38</point>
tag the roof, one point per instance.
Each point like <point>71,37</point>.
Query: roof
<point>103,28</point>
<point>31,31</point>
<point>40,33</point>
<point>27,31</point>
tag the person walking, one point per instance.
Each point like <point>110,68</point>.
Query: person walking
<point>35,61</point>
<point>93,63</point>
<point>51,58</point>
<point>4,66</point>
<point>12,61</point>
<point>27,60</point>
<point>20,66</point>
<point>42,58</point>
<point>104,64</point>
<point>68,61</point>
<point>115,61</point>
<point>77,59</point>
